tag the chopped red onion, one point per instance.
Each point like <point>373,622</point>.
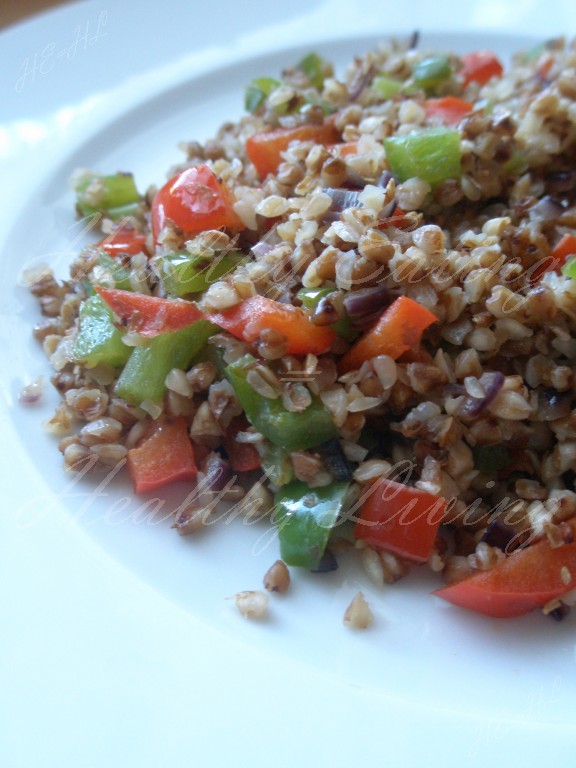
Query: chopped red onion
<point>547,209</point>
<point>341,200</point>
<point>32,393</point>
<point>385,179</point>
<point>455,390</point>
<point>218,472</point>
<point>363,323</point>
<point>334,458</point>
<point>387,211</point>
<point>500,535</point>
<point>414,40</point>
<point>563,181</point>
<point>553,405</point>
<point>560,612</point>
<point>261,248</point>
<point>360,304</point>
<point>492,382</point>
<point>327,563</point>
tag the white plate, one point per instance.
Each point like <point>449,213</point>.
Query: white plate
<point>119,646</point>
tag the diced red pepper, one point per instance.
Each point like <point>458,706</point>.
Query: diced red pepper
<point>538,270</point>
<point>164,457</point>
<point>242,456</point>
<point>545,67</point>
<point>344,149</point>
<point>123,241</point>
<point>565,248</point>
<point>398,329</point>
<point>264,149</point>
<point>195,200</point>
<point>562,251</point>
<point>448,110</point>
<point>149,315</point>
<point>246,320</point>
<point>480,67</point>
<point>399,218</point>
<point>526,579</point>
<point>400,519</point>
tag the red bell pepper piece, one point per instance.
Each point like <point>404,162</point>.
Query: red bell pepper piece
<point>149,315</point>
<point>195,200</point>
<point>448,110</point>
<point>544,68</point>
<point>525,580</point>
<point>400,519</point>
<point>123,241</point>
<point>264,149</point>
<point>480,67</point>
<point>165,456</point>
<point>399,219</point>
<point>344,149</point>
<point>562,251</point>
<point>242,456</point>
<point>246,320</point>
<point>398,329</point>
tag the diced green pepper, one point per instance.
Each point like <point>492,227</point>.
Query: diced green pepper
<point>211,353</point>
<point>183,273</point>
<point>110,272</point>
<point>305,518</point>
<point>257,92</point>
<point>316,69</point>
<point>144,375</point>
<point>310,297</point>
<point>490,458</point>
<point>517,163</point>
<point>311,97</point>
<point>431,154</point>
<point>98,340</point>
<point>430,73</point>
<point>533,54</point>
<point>276,465</point>
<point>384,87</point>
<point>115,195</point>
<point>292,431</point>
<point>569,268</point>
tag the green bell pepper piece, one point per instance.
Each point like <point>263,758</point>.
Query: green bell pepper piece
<point>115,195</point>
<point>276,465</point>
<point>183,273</point>
<point>430,73</point>
<point>144,375</point>
<point>114,272</point>
<point>517,164</point>
<point>291,431</point>
<point>257,92</point>
<point>532,54</point>
<point>431,154</point>
<point>384,87</point>
<point>569,268</point>
<point>98,340</point>
<point>310,298</point>
<point>305,518</point>
<point>211,353</point>
<point>316,69</point>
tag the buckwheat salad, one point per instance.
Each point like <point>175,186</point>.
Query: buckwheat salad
<point>351,313</point>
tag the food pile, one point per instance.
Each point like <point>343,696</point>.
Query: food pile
<point>352,312</point>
